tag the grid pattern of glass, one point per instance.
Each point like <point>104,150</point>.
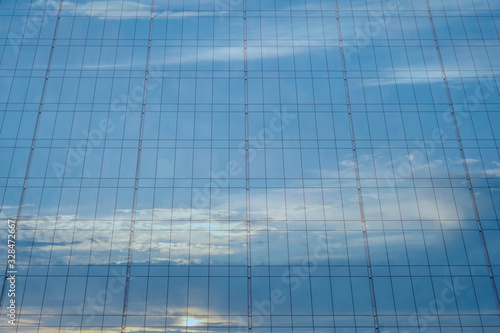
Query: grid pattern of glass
<point>250,166</point>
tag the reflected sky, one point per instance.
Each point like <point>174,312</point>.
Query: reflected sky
<point>310,101</point>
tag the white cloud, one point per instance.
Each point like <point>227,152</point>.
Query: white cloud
<point>116,9</point>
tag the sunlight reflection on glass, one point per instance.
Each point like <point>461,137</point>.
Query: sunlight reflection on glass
<point>190,321</point>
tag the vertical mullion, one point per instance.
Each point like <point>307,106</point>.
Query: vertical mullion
<point>190,245</point>
<point>137,172</point>
<point>247,173</point>
<point>33,141</point>
<point>358,181</point>
<point>464,162</point>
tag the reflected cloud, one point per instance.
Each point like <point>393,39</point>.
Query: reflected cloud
<point>495,172</point>
<point>193,238</point>
<point>187,14</point>
<point>120,10</point>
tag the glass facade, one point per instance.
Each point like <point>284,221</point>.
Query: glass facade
<point>250,166</point>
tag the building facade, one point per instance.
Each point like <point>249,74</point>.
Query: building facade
<point>250,166</point>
